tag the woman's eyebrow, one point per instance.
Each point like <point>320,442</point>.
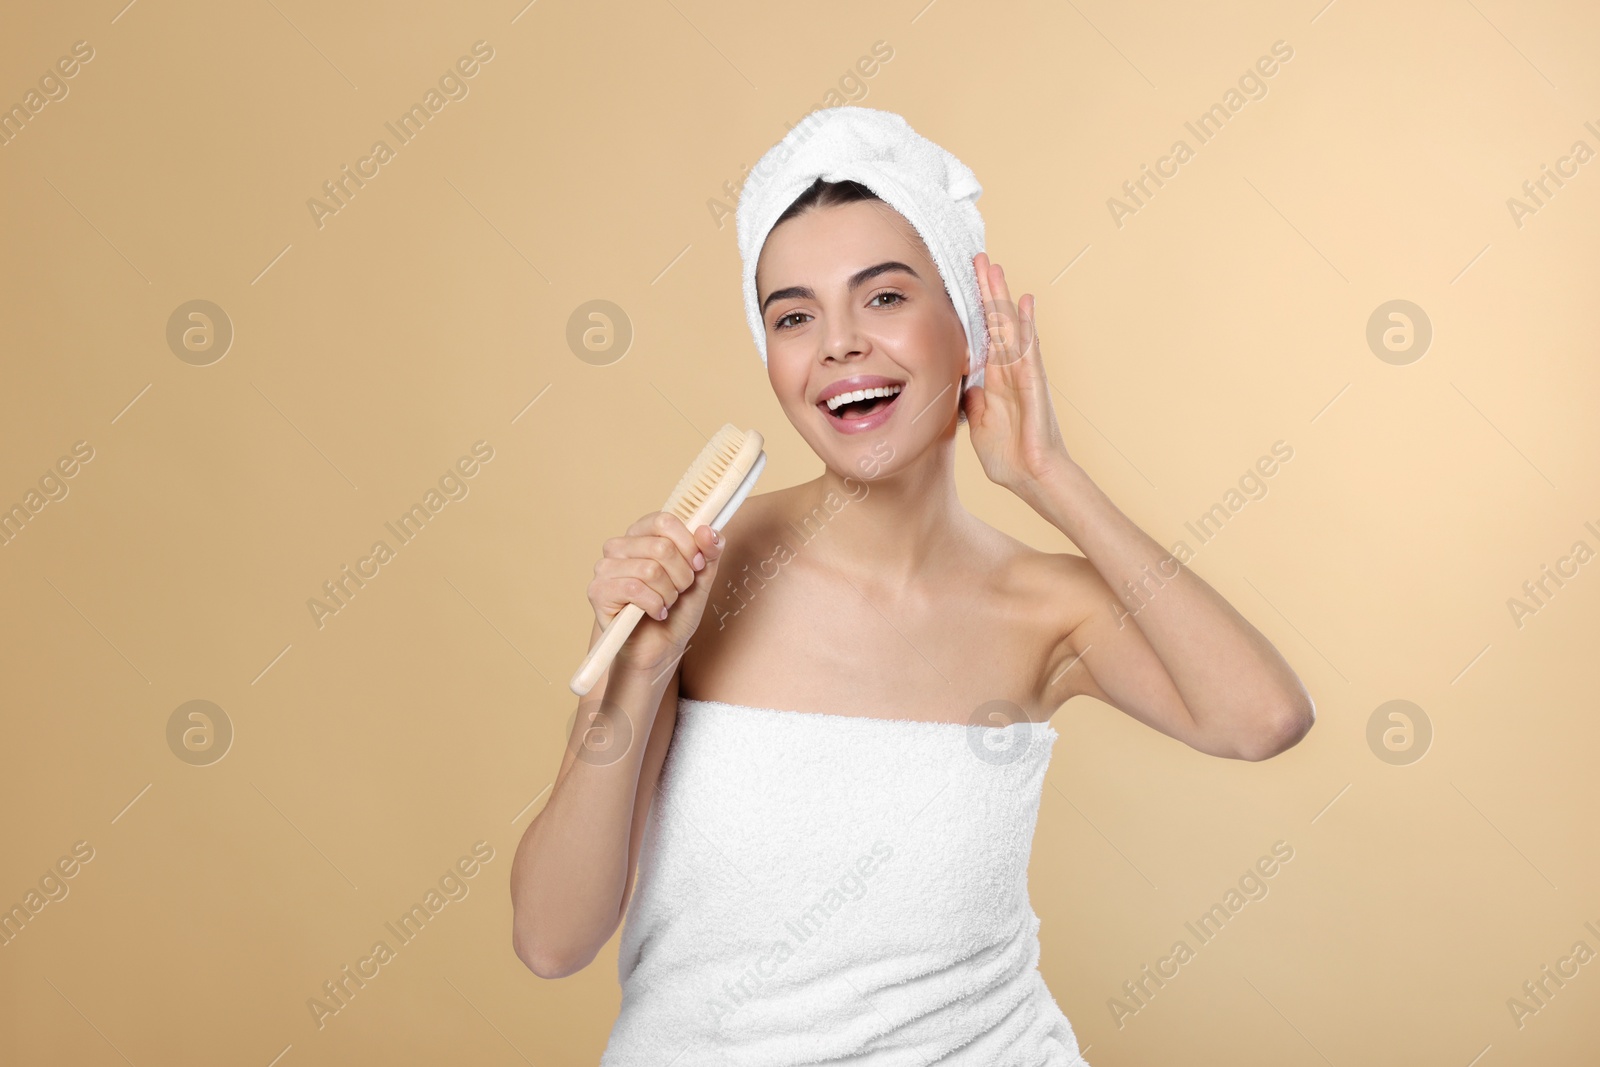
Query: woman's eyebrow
<point>859,278</point>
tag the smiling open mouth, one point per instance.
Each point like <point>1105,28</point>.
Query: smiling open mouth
<point>864,408</point>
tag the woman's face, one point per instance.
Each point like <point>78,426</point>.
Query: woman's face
<point>849,292</point>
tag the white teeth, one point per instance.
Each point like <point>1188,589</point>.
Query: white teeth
<point>836,402</point>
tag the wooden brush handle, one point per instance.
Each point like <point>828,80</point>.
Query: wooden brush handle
<point>598,661</point>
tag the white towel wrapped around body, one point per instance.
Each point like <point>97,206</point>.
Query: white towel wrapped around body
<point>837,889</point>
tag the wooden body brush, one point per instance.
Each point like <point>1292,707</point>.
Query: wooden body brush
<point>708,494</point>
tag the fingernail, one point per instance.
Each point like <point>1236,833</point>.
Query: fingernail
<point>662,615</point>
<point>716,535</point>
<point>699,560</point>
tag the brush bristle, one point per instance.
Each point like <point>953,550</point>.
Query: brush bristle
<point>706,471</point>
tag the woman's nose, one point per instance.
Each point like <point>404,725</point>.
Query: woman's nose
<point>842,337</point>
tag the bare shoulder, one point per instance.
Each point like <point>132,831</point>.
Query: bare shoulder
<point>1075,581</point>
<point>1029,572</point>
<point>1051,594</point>
<point>760,518</point>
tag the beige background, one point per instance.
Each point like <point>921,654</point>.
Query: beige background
<point>369,754</point>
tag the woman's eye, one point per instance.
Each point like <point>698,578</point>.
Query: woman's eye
<point>795,318</point>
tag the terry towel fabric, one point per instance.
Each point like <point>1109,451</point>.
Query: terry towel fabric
<point>935,191</point>
<point>818,888</point>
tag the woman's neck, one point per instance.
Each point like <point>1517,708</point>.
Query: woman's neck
<point>894,528</point>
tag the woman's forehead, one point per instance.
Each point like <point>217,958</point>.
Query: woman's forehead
<point>837,241</point>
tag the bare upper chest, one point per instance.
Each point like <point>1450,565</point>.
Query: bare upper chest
<point>783,630</point>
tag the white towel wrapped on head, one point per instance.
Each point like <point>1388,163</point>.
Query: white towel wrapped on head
<point>935,191</point>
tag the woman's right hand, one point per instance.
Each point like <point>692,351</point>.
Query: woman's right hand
<point>653,566</point>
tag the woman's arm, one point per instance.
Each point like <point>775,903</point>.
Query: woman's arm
<point>1185,661</point>
<point>572,871</point>
<point>1171,651</point>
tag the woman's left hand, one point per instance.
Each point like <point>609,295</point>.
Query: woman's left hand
<point>1010,419</point>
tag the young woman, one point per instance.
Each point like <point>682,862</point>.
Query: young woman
<point>827,737</point>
